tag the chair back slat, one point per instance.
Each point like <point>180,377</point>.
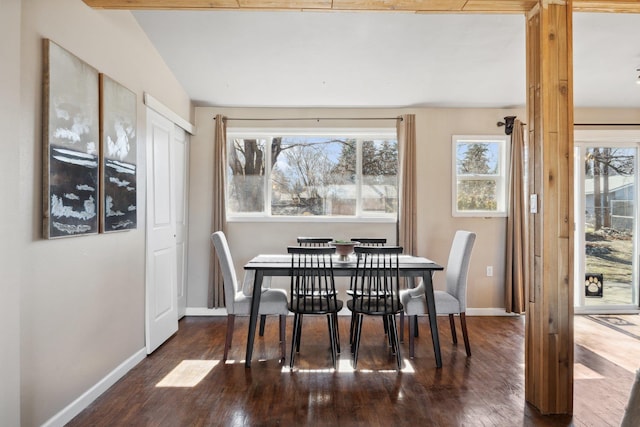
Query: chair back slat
<point>375,286</point>
<point>370,241</point>
<point>313,288</point>
<point>314,241</point>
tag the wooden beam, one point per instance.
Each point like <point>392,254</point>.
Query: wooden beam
<point>615,6</point>
<point>421,6</point>
<point>549,323</point>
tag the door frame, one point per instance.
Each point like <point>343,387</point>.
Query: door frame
<point>586,138</point>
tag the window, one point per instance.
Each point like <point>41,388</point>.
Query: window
<point>312,174</point>
<point>479,181</point>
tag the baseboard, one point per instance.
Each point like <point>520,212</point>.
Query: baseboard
<point>82,402</point>
<point>203,311</point>
<point>495,311</point>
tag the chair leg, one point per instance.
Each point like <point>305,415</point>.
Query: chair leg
<point>385,325</point>
<point>335,322</point>
<point>356,343</point>
<point>453,329</point>
<point>416,332</point>
<point>393,331</point>
<point>263,320</point>
<point>283,338</point>
<point>352,329</point>
<point>227,342</point>
<point>332,339</point>
<point>294,338</point>
<point>298,332</point>
<point>465,336</point>
<point>402,326</point>
<point>412,338</point>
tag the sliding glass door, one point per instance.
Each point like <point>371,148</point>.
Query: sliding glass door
<point>606,215</point>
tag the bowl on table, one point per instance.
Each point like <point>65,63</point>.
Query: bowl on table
<point>344,248</point>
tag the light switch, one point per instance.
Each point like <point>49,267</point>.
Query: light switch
<point>533,203</point>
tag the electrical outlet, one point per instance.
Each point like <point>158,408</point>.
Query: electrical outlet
<point>489,270</point>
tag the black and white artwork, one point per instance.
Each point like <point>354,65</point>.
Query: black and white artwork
<point>71,144</point>
<point>118,142</point>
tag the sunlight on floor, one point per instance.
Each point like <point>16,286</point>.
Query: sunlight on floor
<point>581,372</point>
<point>188,373</point>
<point>345,366</point>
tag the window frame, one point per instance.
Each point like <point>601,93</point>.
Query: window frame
<point>501,178</point>
<point>268,134</point>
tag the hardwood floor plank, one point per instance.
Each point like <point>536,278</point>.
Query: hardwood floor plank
<point>486,389</point>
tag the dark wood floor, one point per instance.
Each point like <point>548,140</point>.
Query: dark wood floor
<point>486,389</point>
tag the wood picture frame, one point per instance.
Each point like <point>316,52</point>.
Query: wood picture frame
<point>118,160</point>
<point>70,144</point>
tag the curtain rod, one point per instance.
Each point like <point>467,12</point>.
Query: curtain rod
<point>606,124</point>
<point>312,118</point>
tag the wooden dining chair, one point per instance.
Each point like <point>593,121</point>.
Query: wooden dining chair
<point>313,292</point>
<point>272,301</point>
<point>376,293</point>
<point>370,241</point>
<point>314,241</point>
<point>451,301</point>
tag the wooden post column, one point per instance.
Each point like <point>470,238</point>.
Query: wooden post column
<point>549,311</point>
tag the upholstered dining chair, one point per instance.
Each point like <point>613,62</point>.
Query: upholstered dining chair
<point>451,301</point>
<point>376,293</point>
<point>272,301</point>
<point>313,292</point>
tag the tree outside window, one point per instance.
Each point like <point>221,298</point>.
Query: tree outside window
<point>479,176</point>
<point>312,174</point>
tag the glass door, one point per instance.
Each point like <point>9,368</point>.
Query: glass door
<point>606,194</point>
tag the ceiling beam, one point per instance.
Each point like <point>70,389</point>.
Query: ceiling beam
<point>418,6</point>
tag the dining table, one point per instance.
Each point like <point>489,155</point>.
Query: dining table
<point>274,265</point>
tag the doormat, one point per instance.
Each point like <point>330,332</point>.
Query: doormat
<point>628,325</point>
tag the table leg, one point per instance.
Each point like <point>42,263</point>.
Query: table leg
<point>433,318</point>
<point>253,318</point>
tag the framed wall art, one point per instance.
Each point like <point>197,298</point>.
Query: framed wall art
<point>71,143</point>
<point>118,160</point>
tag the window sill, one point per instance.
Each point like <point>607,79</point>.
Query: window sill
<point>314,219</point>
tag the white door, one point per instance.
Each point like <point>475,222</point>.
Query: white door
<point>161,277</point>
<point>181,152</point>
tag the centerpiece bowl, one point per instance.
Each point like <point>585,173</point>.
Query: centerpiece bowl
<point>344,248</point>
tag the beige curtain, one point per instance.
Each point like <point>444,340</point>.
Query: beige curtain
<point>516,273</point>
<point>407,213</point>
<point>215,296</point>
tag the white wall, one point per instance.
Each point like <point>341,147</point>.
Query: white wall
<point>82,298</point>
<point>436,226</point>
<point>9,213</point>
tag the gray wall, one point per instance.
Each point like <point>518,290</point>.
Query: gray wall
<point>9,213</point>
<point>81,298</point>
<point>436,226</point>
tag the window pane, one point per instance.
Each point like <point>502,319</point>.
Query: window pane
<point>246,175</point>
<point>380,176</point>
<point>480,195</point>
<point>477,158</point>
<point>313,176</point>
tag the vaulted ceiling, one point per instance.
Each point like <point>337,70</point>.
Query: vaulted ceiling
<point>289,58</point>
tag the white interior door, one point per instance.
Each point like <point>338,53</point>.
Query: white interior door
<point>161,277</point>
<point>181,152</point>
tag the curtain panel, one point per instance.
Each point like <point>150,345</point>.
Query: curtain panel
<point>215,297</point>
<point>406,227</point>
<point>516,272</point>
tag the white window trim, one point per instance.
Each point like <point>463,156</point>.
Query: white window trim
<point>502,180</point>
<point>269,133</point>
